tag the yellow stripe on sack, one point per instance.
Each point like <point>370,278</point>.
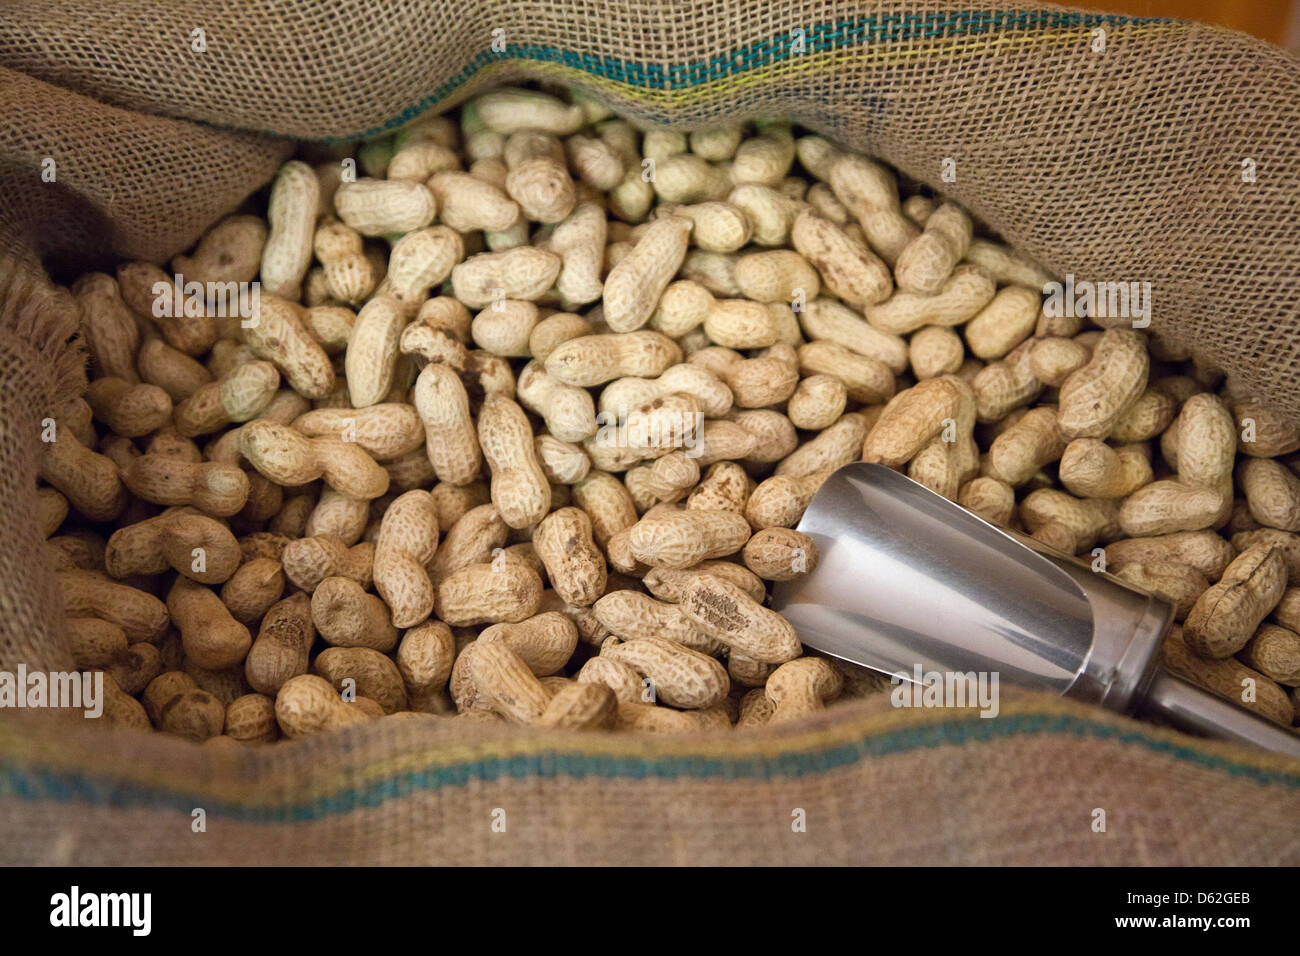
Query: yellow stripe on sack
<point>69,756</point>
<point>857,733</point>
<point>806,64</point>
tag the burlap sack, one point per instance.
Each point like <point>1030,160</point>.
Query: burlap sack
<point>1122,164</point>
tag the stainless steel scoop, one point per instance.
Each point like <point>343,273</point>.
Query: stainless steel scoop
<point>906,578</point>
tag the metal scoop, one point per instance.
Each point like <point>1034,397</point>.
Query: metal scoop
<point>908,579</point>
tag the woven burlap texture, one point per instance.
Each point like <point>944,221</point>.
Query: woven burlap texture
<point>896,788</point>
<point>1122,165</point>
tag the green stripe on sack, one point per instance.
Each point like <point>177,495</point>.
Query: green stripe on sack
<point>818,38</point>
<point>39,784</point>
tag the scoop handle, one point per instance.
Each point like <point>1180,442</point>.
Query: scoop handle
<point>1188,707</point>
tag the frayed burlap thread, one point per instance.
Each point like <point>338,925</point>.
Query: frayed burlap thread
<point>42,364</point>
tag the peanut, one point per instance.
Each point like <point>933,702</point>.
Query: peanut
<point>833,447</point>
<point>770,213</point>
<point>377,207</point>
<point>780,554</point>
<point>961,297</point>
<point>1202,495</point>
<point>254,587</point>
<point>130,410</point>
<point>110,329</point>
<point>926,262</point>
<point>631,615</point>
<point>239,395</point>
<point>251,719</point>
<point>284,640</point>
<point>346,270</point>
<point>682,538</point>
<point>471,539</point>
<point>173,371</point>
<point>278,332</point>
<point>1034,441</point>
<point>52,509</point>
<point>1004,323</point>
<point>487,593</point>
<point>607,503</point>
<point>681,677</point>
<point>308,561</point>
<point>1094,397</point>
<point>372,350</point>
<point>828,319</point>
<point>623,394</point>
<point>522,273</point>
<point>288,457</point>
<point>581,707</point>
<point>1004,265</point>
<point>368,673</point>
<point>1227,615</point>
<point>424,658</point>
<point>307,704</point>
<point>870,193</point>
<point>574,564</point>
<point>725,612</point>
<point>1275,652</point>
<point>286,254</point>
<point>216,489</point>
<point>1146,418</point>
<point>779,501</point>
<point>1067,523</point>
<point>1272,493</point>
<point>847,267</point>
<point>95,643</point>
<point>1229,679</point>
<point>519,487</point>
<point>212,638</point>
<point>187,711</point>
<point>1007,384</point>
<point>408,538</point>
<point>545,641</point>
<point>467,203</point>
<point>596,359</point>
<point>1263,433</point>
<point>568,411</point>
<point>141,616</point>
<point>912,419</point>
<point>800,687</point>
<point>88,480</point>
<point>633,287</point>
<point>199,547</point>
<point>1284,541</point>
<point>346,615</point>
<point>450,436</point>
<point>1179,584</point>
<point>991,499</point>
<point>867,380</point>
<point>385,431</point>
<point>818,401</point>
<point>505,684</point>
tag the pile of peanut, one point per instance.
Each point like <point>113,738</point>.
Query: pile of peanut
<point>531,404</point>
